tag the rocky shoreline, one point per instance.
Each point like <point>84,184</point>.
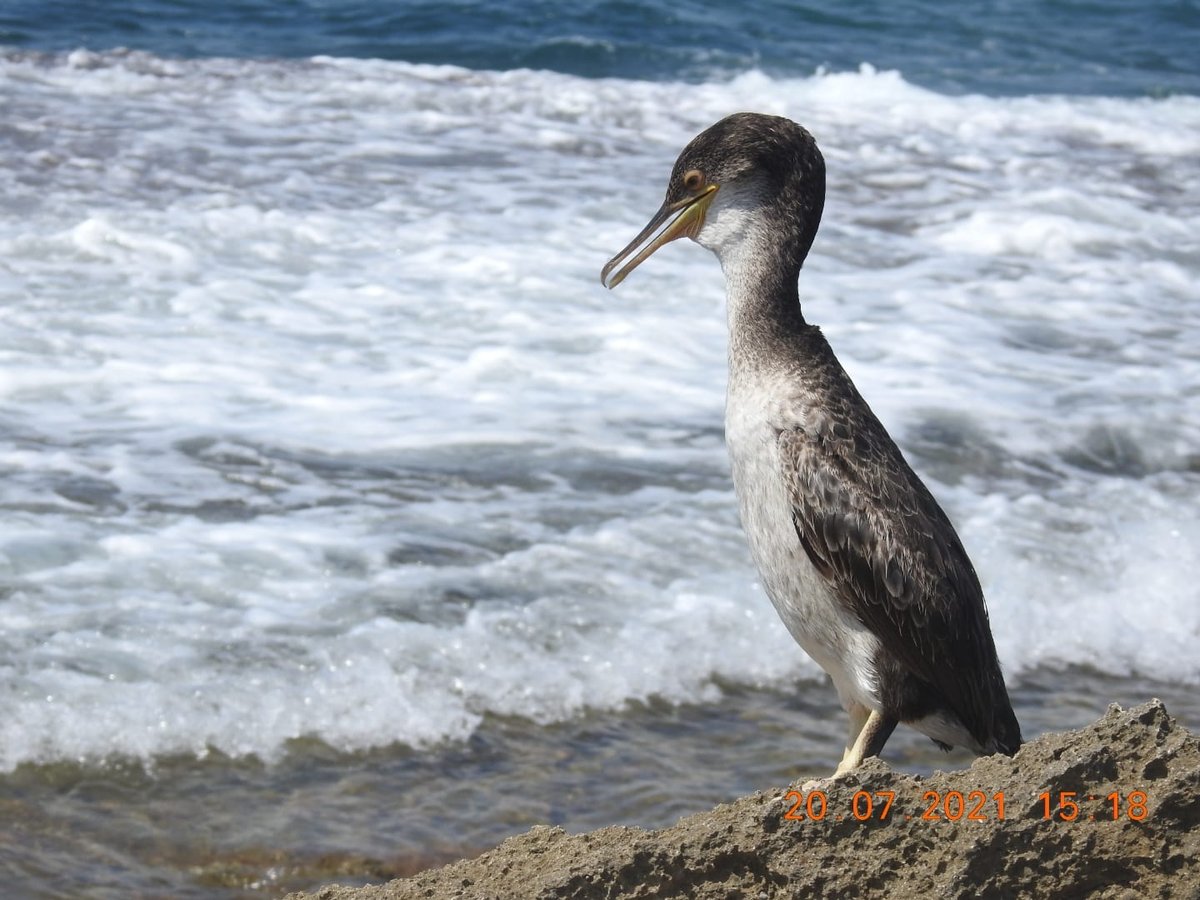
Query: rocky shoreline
<point>1111,810</point>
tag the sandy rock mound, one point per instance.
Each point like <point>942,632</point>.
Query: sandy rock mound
<point>1111,810</point>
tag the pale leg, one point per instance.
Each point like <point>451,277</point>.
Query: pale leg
<point>868,734</point>
<point>858,718</point>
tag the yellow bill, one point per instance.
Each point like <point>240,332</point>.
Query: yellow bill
<point>689,219</point>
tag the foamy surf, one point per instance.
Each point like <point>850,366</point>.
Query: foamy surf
<point>317,421</point>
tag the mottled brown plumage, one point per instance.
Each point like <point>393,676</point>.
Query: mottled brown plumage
<point>875,532</point>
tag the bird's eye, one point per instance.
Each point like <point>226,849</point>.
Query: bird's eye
<point>693,180</point>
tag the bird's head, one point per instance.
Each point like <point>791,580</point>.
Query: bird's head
<point>750,183</point>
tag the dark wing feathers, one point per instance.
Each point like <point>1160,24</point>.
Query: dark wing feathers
<point>876,533</point>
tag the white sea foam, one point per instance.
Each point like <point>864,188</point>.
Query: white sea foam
<point>317,422</point>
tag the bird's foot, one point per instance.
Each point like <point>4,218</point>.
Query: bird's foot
<point>788,797</point>
<point>823,784</point>
<point>818,784</point>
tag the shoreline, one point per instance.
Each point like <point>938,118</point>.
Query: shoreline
<point>1003,827</point>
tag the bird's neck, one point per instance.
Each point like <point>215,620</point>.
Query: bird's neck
<point>763,300</point>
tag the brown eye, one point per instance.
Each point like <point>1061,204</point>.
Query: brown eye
<point>693,180</point>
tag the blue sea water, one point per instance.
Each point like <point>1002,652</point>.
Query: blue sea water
<point>345,517</point>
<point>1110,47</point>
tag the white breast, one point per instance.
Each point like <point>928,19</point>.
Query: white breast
<point>802,596</point>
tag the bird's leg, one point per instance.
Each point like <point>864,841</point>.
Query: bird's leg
<point>869,731</point>
<point>858,718</point>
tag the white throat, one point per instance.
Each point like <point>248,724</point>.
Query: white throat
<point>733,230</point>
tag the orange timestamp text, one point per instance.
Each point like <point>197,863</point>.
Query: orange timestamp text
<point>970,806</point>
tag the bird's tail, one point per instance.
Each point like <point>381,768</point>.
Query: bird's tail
<point>1005,734</point>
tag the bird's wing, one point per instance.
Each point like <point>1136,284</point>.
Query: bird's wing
<point>876,533</point>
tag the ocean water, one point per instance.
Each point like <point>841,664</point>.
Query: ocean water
<point>350,525</point>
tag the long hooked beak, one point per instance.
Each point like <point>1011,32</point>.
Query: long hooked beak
<point>687,223</point>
